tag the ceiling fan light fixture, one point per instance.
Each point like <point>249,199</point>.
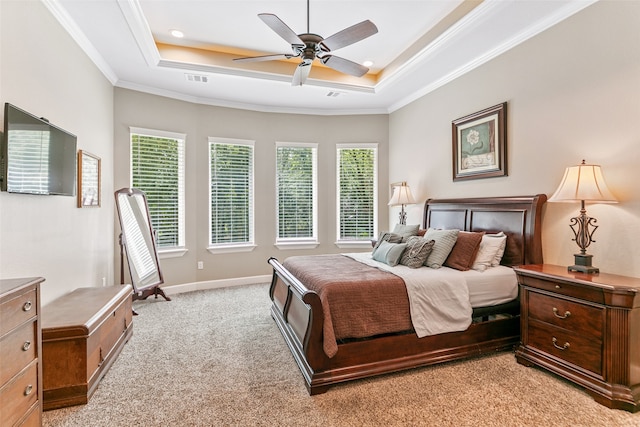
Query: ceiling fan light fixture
<point>308,47</point>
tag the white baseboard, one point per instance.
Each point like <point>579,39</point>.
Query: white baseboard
<point>215,284</point>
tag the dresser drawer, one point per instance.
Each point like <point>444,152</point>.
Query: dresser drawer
<point>17,310</point>
<point>582,351</point>
<point>580,318</point>
<point>19,395</point>
<point>18,349</point>
<point>572,290</point>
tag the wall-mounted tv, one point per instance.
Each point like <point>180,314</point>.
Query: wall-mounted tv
<point>36,157</point>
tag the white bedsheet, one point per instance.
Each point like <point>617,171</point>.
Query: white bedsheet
<point>438,299</point>
<point>495,285</point>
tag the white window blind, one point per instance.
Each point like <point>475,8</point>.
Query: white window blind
<point>296,187</point>
<point>157,168</point>
<point>357,191</point>
<point>231,171</point>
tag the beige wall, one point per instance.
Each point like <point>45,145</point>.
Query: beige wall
<point>43,71</point>
<point>201,121</point>
<point>573,93</point>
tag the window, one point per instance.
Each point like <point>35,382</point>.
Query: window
<point>296,192</point>
<point>157,168</point>
<point>231,202</point>
<point>357,193</point>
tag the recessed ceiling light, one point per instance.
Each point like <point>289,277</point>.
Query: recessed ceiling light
<point>177,33</point>
<point>367,63</point>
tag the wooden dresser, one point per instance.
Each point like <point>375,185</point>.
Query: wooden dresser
<point>83,332</point>
<point>585,328</point>
<point>20,352</point>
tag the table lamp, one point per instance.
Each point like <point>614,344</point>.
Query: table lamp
<point>583,183</point>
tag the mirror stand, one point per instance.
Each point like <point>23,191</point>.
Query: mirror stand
<point>146,293</point>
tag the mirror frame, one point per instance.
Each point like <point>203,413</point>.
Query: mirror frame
<point>151,288</point>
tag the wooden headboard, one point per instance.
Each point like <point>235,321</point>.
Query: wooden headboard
<point>518,217</point>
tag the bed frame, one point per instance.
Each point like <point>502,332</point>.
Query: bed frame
<point>298,311</point>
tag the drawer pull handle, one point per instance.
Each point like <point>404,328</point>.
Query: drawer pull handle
<point>26,306</point>
<point>26,346</point>
<point>28,389</point>
<point>564,347</point>
<point>557,286</point>
<point>566,314</point>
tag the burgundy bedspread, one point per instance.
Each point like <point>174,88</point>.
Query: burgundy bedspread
<point>358,300</point>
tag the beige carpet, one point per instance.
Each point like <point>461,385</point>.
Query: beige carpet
<point>216,358</point>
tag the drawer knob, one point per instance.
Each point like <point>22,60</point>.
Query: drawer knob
<point>26,346</point>
<point>554,341</point>
<point>560,316</point>
<point>557,286</point>
<point>28,389</point>
<point>26,306</point>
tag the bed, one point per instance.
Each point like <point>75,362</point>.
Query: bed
<point>299,313</point>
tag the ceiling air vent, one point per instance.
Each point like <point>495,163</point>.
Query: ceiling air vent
<point>334,94</point>
<point>198,78</point>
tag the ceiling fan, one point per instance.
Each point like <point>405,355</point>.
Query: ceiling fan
<point>309,46</point>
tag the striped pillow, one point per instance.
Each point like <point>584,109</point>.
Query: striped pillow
<point>444,241</point>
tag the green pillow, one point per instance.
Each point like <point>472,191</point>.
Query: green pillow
<point>406,230</point>
<point>389,253</point>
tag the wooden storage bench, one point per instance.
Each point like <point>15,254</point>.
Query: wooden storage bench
<point>83,333</point>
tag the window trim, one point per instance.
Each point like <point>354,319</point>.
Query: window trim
<point>180,249</point>
<point>219,248</point>
<point>299,242</point>
<point>351,243</point>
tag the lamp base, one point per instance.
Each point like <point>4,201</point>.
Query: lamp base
<point>583,264</point>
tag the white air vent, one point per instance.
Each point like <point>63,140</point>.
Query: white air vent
<point>198,78</point>
<point>334,94</point>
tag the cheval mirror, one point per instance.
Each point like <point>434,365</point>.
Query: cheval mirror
<point>137,240</point>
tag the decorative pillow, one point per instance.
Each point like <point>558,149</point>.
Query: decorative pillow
<point>444,241</point>
<point>389,253</point>
<point>464,251</point>
<point>489,247</point>
<point>406,231</point>
<point>418,249</point>
<point>498,257</point>
<point>386,236</point>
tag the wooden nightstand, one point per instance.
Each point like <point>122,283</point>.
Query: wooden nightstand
<point>585,328</point>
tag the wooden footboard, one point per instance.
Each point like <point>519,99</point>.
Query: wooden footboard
<point>299,315</point>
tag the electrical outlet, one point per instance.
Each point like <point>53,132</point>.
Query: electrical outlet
<point>104,282</point>
<point>200,265</point>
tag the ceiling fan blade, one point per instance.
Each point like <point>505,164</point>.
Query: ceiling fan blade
<point>344,65</point>
<point>265,58</point>
<point>350,35</point>
<point>280,28</point>
<point>301,74</point>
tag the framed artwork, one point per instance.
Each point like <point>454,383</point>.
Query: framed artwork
<point>480,144</point>
<point>88,180</point>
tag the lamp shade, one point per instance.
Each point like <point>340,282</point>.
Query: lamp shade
<point>401,195</point>
<point>583,183</point>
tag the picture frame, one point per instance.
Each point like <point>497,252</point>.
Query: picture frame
<point>89,186</point>
<point>480,144</point>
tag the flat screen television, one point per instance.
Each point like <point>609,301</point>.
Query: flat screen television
<point>36,157</point>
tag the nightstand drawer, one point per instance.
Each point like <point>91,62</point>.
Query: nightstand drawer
<point>580,318</point>
<point>583,351</point>
<point>576,291</point>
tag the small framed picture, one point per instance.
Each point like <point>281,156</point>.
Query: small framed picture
<point>480,144</point>
<point>88,180</point>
